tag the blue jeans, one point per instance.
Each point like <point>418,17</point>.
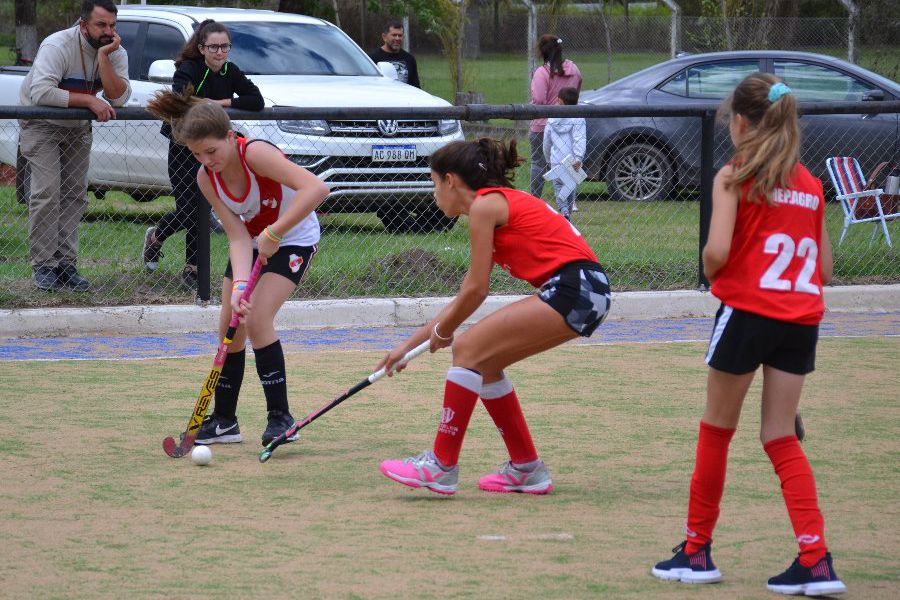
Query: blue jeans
<point>563,204</point>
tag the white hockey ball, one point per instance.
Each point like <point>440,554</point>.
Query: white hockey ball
<point>201,455</point>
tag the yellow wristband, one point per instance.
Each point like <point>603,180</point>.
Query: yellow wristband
<point>271,235</point>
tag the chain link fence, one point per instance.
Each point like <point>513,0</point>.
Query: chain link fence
<point>642,208</point>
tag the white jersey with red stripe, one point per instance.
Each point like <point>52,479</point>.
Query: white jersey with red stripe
<point>264,201</point>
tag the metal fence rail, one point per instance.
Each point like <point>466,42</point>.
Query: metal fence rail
<point>645,208</point>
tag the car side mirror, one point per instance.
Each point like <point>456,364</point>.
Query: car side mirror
<point>162,71</point>
<point>388,70</point>
<point>873,95</point>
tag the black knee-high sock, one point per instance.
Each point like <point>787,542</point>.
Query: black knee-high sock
<point>229,384</point>
<point>272,376</point>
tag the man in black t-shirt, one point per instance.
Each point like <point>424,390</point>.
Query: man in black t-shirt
<point>391,51</point>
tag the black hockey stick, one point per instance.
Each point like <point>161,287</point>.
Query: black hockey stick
<point>267,451</point>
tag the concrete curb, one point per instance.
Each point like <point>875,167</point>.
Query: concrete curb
<point>386,312</point>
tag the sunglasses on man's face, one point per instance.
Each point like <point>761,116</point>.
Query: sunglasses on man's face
<point>217,47</point>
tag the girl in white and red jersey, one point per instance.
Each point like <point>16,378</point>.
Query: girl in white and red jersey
<point>533,242</point>
<point>767,256</point>
<point>267,206</point>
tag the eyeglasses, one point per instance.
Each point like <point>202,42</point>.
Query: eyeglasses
<point>214,48</point>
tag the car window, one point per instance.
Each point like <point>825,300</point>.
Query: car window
<point>712,81</point>
<point>261,48</point>
<point>128,31</point>
<point>163,43</point>
<point>817,83</point>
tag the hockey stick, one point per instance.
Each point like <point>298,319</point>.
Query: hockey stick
<point>179,449</point>
<point>267,451</point>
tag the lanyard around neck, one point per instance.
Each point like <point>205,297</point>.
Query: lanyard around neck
<point>84,67</point>
<point>224,72</point>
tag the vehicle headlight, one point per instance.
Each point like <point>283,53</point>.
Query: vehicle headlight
<point>305,127</point>
<point>448,126</point>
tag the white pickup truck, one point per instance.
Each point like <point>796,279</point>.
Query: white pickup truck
<point>296,61</point>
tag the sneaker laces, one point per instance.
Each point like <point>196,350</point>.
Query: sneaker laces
<point>420,459</point>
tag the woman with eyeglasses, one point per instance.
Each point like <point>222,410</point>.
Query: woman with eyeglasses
<point>204,66</point>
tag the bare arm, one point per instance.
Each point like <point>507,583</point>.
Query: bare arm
<point>721,227</point>
<point>489,212</point>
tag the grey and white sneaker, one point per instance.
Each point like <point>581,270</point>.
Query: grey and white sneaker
<point>508,478</point>
<point>218,430</point>
<point>423,470</point>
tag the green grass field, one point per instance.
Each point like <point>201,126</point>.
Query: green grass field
<point>90,507</point>
<point>645,246</point>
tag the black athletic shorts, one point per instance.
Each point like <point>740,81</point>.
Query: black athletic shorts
<point>580,293</point>
<point>741,341</point>
<point>288,261</point>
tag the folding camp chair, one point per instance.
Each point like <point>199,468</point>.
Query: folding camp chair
<point>859,204</point>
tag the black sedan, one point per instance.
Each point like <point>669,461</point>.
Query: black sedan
<point>647,158</point>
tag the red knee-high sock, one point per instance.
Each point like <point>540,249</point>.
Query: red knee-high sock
<point>798,486</point>
<point>460,398</point>
<point>502,404</point>
<point>707,485</point>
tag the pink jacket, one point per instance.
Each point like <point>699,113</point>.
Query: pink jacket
<point>545,88</point>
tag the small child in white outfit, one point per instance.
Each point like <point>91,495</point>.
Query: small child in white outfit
<point>564,138</point>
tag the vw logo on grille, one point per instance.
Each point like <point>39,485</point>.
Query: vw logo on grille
<point>388,127</point>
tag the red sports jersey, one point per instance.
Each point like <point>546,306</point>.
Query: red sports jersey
<point>536,240</point>
<point>773,267</point>
<point>264,201</point>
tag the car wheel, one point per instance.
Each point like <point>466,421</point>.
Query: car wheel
<point>639,172</point>
<point>23,179</point>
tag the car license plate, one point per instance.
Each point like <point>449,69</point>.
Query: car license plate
<point>394,153</point>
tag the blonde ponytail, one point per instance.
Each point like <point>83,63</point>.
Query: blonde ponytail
<point>770,149</point>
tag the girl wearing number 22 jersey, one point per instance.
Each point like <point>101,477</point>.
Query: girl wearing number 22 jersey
<point>767,256</point>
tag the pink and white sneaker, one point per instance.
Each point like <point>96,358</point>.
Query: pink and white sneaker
<point>510,479</point>
<point>423,470</point>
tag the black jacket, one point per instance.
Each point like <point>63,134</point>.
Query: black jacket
<point>229,82</point>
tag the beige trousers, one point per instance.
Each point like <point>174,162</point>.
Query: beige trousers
<point>58,158</point>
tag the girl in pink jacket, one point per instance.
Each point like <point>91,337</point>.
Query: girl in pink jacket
<point>546,83</point>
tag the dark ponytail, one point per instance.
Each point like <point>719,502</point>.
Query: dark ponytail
<point>550,51</point>
<point>486,162</point>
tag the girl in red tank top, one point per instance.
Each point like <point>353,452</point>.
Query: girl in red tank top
<point>767,256</point>
<point>266,204</point>
<point>524,236</point>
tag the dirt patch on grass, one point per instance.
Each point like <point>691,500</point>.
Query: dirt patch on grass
<point>7,175</point>
<point>415,268</point>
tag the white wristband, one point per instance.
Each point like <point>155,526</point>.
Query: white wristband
<point>439,336</point>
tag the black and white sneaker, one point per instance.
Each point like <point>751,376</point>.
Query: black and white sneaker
<point>689,568</point>
<point>218,430</point>
<point>817,580</point>
<point>279,422</point>
<point>152,252</point>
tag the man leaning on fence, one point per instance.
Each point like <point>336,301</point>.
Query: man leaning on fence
<point>71,66</point>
